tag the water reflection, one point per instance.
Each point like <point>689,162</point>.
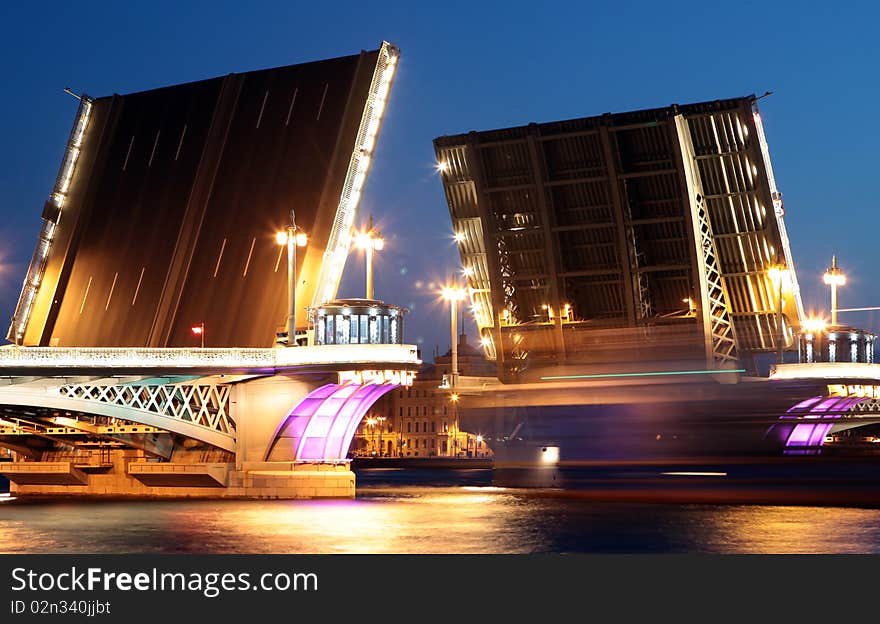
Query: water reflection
<point>413,519</point>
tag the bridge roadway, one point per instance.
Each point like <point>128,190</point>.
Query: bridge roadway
<point>252,422</point>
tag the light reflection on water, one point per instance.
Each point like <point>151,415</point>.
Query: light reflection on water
<point>424,519</point>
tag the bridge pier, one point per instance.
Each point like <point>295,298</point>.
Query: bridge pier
<point>258,406</point>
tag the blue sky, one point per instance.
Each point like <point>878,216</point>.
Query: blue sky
<point>475,66</point>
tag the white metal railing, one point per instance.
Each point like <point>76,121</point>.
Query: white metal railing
<point>41,254</point>
<point>182,358</point>
<point>339,242</point>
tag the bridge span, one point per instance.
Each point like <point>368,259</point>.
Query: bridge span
<point>685,416</point>
<point>191,422</point>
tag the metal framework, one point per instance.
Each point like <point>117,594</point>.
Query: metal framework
<point>203,404</point>
<point>340,236</point>
<point>199,411</point>
<point>718,328</point>
<point>51,217</point>
<point>642,229</point>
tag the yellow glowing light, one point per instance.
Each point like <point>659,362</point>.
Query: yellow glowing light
<point>550,454</point>
<point>281,238</point>
<point>442,166</point>
<point>453,397</point>
<point>366,240</point>
<point>815,325</point>
<point>485,341</point>
<point>301,239</point>
<point>459,237</point>
<point>468,271</point>
<point>835,278</point>
<point>452,293</point>
<point>777,273</point>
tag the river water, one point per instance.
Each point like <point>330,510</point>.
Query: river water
<point>459,512</point>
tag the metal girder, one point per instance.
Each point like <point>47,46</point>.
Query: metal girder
<point>718,329</point>
<point>623,243</point>
<point>197,411</point>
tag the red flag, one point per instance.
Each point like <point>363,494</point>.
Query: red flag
<point>198,329</point>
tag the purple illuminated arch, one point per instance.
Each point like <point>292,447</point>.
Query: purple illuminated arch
<point>322,424</point>
<point>807,435</point>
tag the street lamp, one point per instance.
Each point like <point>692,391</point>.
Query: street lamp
<point>477,441</point>
<point>778,274</point>
<point>369,241</point>
<point>834,277</point>
<point>380,420</point>
<point>293,238</point>
<point>453,294</point>
<point>371,423</point>
<point>199,330</point>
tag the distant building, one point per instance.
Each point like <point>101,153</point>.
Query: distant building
<point>423,420</point>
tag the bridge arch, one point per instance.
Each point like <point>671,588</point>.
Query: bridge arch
<point>802,429</point>
<point>323,423</point>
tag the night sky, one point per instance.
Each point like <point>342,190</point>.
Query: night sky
<point>475,66</point>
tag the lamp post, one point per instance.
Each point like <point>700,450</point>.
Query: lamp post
<point>834,277</point>
<point>453,294</point>
<point>778,274</point>
<point>371,423</point>
<point>370,241</point>
<point>293,238</point>
<point>199,330</point>
<point>380,420</point>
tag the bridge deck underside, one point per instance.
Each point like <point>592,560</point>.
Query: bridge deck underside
<point>594,213</point>
<point>207,172</point>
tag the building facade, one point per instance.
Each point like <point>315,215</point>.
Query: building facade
<point>423,419</point>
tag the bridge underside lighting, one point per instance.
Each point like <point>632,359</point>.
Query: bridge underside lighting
<point>807,434</point>
<point>322,425</point>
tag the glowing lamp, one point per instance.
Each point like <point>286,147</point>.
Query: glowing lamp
<point>301,239</point>
<point>451,293</point>
<point>777,273</point>
<point>815,325</point>
<point>836,279</point>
